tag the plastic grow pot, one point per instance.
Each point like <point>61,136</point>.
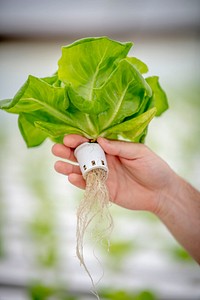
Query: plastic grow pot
<point>90,156</point>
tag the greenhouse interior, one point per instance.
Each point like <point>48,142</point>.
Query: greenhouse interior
<point>38,206</point>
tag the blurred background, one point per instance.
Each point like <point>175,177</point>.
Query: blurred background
<point>38,206</point>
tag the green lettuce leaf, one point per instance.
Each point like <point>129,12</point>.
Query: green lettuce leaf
<point>97,91</point>
<point>33,136</point>
<point>36,94</point>
<point>138,64</point>
<point>125,92</point>
<point>86,65</point>
<point>133,127</point>
<point>159,98</point>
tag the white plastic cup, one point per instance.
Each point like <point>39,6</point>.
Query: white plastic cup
<point>90,156</point>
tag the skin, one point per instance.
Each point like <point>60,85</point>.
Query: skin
<point>140,180</point>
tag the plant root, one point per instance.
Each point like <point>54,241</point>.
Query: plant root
<point>94,211</point>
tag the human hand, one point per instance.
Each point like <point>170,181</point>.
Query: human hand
<point>137,177</point>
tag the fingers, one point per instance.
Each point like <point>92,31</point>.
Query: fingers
<point>66,168</point>
<point>74,140</point>
<point>66,151</point>
<point>63,152</point>
<point>73,173</point>
<point>125,150</point>
<point>77,180</point>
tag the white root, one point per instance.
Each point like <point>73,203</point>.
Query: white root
<point>94,211</point>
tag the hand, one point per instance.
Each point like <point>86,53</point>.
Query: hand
<point>137,177</point>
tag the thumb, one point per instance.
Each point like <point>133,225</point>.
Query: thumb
<point>126,150</point>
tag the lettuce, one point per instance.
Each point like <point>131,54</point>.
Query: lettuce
<point>97,91</point>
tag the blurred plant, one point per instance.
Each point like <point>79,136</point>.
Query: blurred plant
<point>185,110</point>
<point>122,295</point>
<point>40,291</point>
<point>2,250</point>
<point>2,206</point>
<point>44,238</point>
<point>42,232</point>
<point>179,254</point>
<point>42,227</point>
<point>118,251</point>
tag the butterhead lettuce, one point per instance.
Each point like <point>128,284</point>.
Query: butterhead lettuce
<point>97,91</point>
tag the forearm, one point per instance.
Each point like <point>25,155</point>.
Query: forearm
<point>180,212</point>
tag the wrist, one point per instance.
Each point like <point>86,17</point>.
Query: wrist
<point>179,210</point>
<point>168,198</point>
